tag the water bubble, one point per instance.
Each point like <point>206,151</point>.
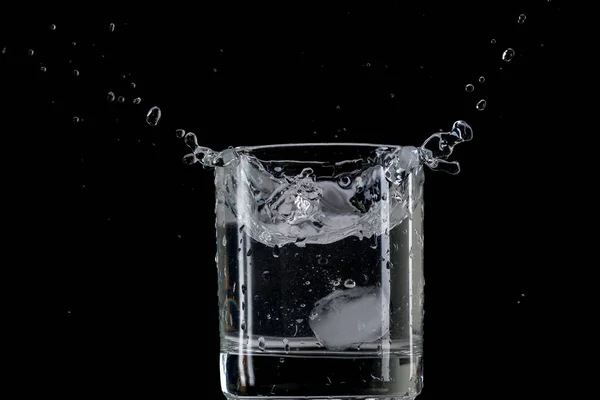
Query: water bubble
<point>345,181</point>
<point>180,133</point>
<point>132,85</point>
<point>121,99</point>
<point>481,105</point>
<point>276,251</point>
<point>508,54</point>
<point>261,343</point>
<point>249,253</point>
<point>349,283</point>
<point>153,116</point>
<point>493,41</point>
<point>266,276</point>
<point>75,119</point>
<point>111,27</point>
<point>43,69</point>
<point>469,88</point>
<point>30,52</point>
<point>191,140</point>
<point>522,18</point>
<point>189,159</point>
<point>75,72</point>
<point>52,27</point>
<point>137,100</point>
<point>481,79</point>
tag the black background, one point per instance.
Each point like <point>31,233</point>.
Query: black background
<point>118,233</point>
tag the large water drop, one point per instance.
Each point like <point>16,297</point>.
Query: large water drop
<point>508,54</point>
<point>153,116</point>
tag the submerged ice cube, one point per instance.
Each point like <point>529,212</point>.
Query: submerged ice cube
<point>352,316</point>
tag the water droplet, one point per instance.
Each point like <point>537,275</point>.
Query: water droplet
<point>481,79</point>
<point>137,100</point>
<point>43,69</point>
<point>75,119</point>
<point>4,50</point>
<point>191,140</point>
<point>508,54</point>
<point>243,326</point>
<point>189,159</point>
<point>493,41</point>
<point>373,243</point>
<point>361,326</point>
<point>249,253</point>
<point>111,27</point>
<point>522,294</point>
<point>121,99</point>
<point>276,251</point>
<point>349,283</point>
<point>307,283</point>
<point>75,72</point>
<point>30,52</point>
<point>302,305</point>
<point>214,70</point>
<point>73,44</point>
<point>281,360</point>
<point>469,88</point>
<point>224,241</point>
<point>110,96</point>
<point>337,107</point>
<point>180,133</point>
<point>368,64</point>
<point>392,95</point>
<point>323,261</point>
<point>345,181</point>
<point>286,344</point>
<point>132,84</point>
<point>481,105</point>
<point>52,27</point>
<point>522,18</point>
<point>313,315</point>
<point>153,116</point>
<point>261,343</point>
<point>389,265</point>
<point>266,276</point>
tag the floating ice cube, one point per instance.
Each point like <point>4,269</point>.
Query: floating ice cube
<point>348,317</point>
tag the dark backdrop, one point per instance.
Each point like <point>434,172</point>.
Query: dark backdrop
<point>118,233</point>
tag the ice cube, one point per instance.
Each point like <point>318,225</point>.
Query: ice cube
<point>348,317</point>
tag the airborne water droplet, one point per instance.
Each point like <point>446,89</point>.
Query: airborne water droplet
<point>249,253</point>
<point>481,105</point>
<point>137,100</point>
<point>469,88</point>
<point>30,52</point>
<point>43,69</point>
<point>132,84</point>
<point>111,27</point>
<point>224,241</point>
<point>481,79</point>
<point>349,283</point>
<point>110,96</point>
<point>276,251</point>
<point>522,18</point>
<point>153,116</point>
<point>52,27</point>
<point>189,159</point>
<point>508,54</point>
<point>75,72</point>
<point>179,133</point>
<point>121,99</point>
<point>190,140</point>
<point>266,276</point>
<point>75,119</point>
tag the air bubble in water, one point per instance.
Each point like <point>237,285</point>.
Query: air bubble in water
<point>522,18</point>
<point>469,88</point>
<point>75,72</point>
<point>508,54</point>
<point>137,100</point>
<point>75,119</point>
<point>121,99</point>
<point>153,116</point>
<point>349,283</point>
<point>481,79</point>
<point>30,52</point>
<point>261,343</point>
<point>481,105</point>
<point>110,96</point>
<point>180,133</point>
<point>43,69</point>
<point>111,27</point>
<point>52,27</point>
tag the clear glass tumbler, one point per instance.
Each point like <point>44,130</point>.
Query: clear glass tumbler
<point>320,273</point>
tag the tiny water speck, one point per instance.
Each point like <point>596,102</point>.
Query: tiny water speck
<point>349,283</point>
<point>522,18</point>
<point>337,107</point>
<point>73,44</point>
<point>75,72</point>
<point>30,52</point>
<point>469,88</point>
<point>111,27</point>
<point>75,119</point>
<point>4,50</point>
<point>481,79</point>
<point>508,54</point>
<point>153,116</point>
<point>180,133</point>
<point>392,95</point>
<point>137,100</point>
<point>522,294</point>
<point>110,96</point>
<point>481,105</point>
<point>132,84</point>
<point>52,27</point>
<point>121,99</point>
<point>214,70</point>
